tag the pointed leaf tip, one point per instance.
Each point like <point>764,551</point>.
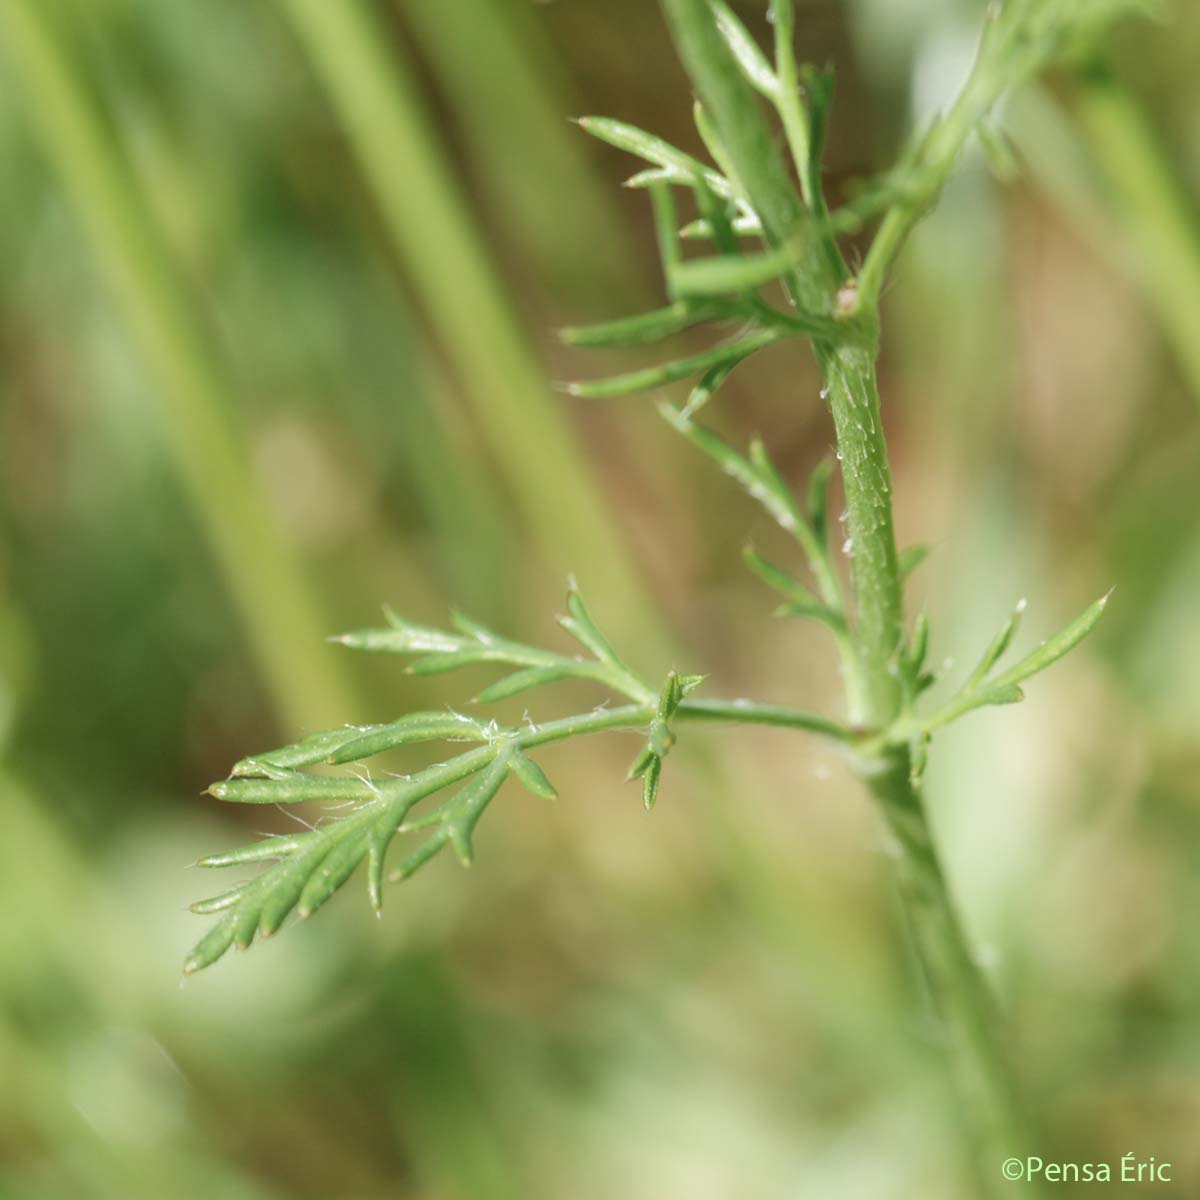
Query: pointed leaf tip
<point>910,559</point>
<point>211,947</point>
<point>532,776</point>
<point>650,782</point>
<point>640,765</point>
<point>1050,651</point>
<point>751,61</point>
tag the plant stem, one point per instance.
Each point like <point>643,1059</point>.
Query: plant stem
<point>853,396</point>
<point>630,717</point>
<point>848,364</point>
<point>959,993</point>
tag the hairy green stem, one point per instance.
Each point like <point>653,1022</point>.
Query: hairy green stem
<point>637,716</point>
<point>756,160</point>
<point>959,993</point>
<point>848,364</point>
<point>853,397</point>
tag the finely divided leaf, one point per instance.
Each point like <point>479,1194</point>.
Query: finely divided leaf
<point>643,328</point>
<point>532,776</point>
<point>1050,651</point>
<point>579,624</point>
<point>708,386</point>
<point>744,225</point>
<point>311,750</point>
<point>294,789</point>
<point>681,166</point>
<point>1004,688</point>
<point>776,577</point>
<point>672,372</point>
<point>995,651</point>
<point>522,681</point>
<point>418,727</point>
<point>220,903</point>
<point>268,849</point>
<point>462,814</point>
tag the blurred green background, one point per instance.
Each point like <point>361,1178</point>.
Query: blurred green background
<point>279,285</point>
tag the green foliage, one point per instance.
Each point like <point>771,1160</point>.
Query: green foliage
<point>796,285</point>
<point>983,688</point>
<point>471,643</point>
<point>365,815</point>
<point>648,764</point>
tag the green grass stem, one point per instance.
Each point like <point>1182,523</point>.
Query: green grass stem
<point>192,385</point>
<point>439,245</point>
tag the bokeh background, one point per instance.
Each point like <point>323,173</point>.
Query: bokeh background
<point>279,286</point>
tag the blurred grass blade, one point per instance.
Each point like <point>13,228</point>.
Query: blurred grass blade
<point>491,57</point>
<point>437,241</point>
<point>276,606</point>
<point>1159,218</point>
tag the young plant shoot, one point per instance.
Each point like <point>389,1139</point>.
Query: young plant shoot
<point>770,268</point>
